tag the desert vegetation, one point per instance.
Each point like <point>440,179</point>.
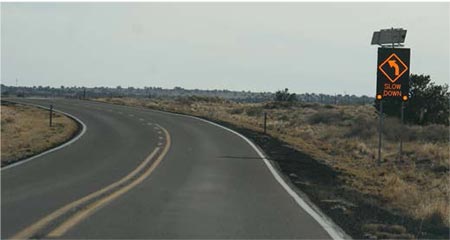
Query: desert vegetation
<point>344,137</point>
<point>25,131</point>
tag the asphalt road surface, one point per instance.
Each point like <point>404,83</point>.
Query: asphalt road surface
<point>186,179</point>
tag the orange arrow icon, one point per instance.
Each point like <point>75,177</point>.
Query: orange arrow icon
<point>393,64</point>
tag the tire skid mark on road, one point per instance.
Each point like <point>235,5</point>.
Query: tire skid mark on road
<point>74,212</point>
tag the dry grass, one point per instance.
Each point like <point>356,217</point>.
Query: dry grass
<point>25,131</point>
<point>345,138</point>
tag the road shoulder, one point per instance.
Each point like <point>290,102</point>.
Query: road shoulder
<point>26,133</point>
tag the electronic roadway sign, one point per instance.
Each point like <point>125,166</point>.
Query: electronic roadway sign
<point>393,73</point>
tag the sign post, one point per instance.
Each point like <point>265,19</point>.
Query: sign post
<point>400,150</point>
<point>380,130</point>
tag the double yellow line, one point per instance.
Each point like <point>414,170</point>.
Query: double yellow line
<point>110,193</point>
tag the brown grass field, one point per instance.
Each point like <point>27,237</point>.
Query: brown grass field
<point>345,139</point>
<point>25,131</point>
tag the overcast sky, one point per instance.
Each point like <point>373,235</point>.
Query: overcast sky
<point>306,47</point>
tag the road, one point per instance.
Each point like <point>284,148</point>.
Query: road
<point>199,181</point>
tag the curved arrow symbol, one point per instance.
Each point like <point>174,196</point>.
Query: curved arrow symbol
<point>393,64</point>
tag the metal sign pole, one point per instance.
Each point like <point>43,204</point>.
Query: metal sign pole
<point>380,130</point>
<point>400,151</point>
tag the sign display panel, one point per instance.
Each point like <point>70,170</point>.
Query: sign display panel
<point>393,73</point>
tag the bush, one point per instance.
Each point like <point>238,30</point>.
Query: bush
<point>393,129</point>
<point>363,127</point>
<point>327,117</point>
<point>285,96</point>
<point>235,111</point>
<point>434,133</point>
<point>195,98</point>
<point>254,111</point>
<point>278,105</point>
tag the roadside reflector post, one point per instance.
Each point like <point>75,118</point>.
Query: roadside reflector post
<point>51,115</point>
<point>380,130</point>
<point>265,122</point>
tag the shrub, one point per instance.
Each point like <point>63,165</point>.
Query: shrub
<point>393,129</point>
<point>254,111</point>
<point>434,133</point>
<point>9,119</point>
<point>195,98</point>
<point>362,127</point>
<point>285,96</point>
<point>277,105</point>
<point>327,117</point>
<point>236,111</point>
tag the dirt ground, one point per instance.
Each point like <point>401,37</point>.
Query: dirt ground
<point>25,131</point>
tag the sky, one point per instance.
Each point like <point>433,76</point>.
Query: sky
<point>306,47</point>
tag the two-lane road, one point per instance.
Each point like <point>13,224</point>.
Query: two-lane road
<point>210,183</point>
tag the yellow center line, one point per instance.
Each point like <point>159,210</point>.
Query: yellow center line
<point>72,221</point>
<point>90,209</point>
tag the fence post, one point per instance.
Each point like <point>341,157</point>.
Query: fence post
<point>265,122</point>
<point>51,115</point>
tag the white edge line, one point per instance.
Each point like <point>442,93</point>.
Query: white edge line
<point>327,224</point>
<point>83,131</point>
<point>324,221</point>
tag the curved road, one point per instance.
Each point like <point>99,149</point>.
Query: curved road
<point>210,183</point>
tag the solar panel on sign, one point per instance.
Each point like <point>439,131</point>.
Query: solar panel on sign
<point>389,36</point>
